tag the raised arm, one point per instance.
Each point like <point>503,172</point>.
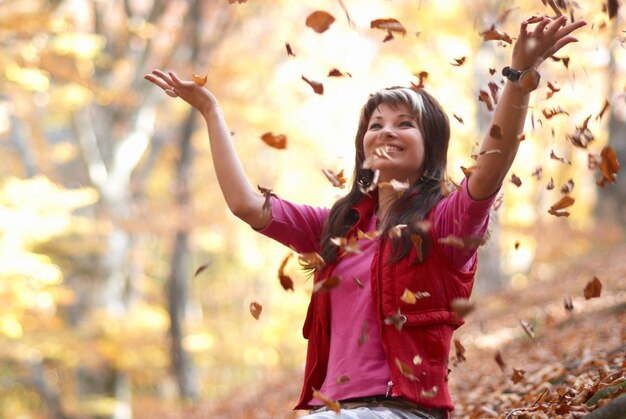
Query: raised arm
<point>240,196</point>
<point>530,50</point>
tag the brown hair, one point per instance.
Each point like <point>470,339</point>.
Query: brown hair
<point>417,201</point>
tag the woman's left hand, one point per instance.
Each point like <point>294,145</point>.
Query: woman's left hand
<point>549,36</point>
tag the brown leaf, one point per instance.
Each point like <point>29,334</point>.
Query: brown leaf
<point>604,108</point>
<point>276,141</point>
<point>255,309</point>
<point>568,187</point>
<point>311,261</point>
<point>516,180</point>
<point>493,89</point>
<point>289,50</point>
<point>200,80</point>
<point>467,171</point>
<point>201,268</point>
<point>460,350</point>
<point>329,403</point>
<point>492,34</point>
<point>315,85</point>
<point>458,118</point>
<point>347,246</point>
<point>458,62</point>
<point>593,289</point>
<point>565,60</point>
<point>500,361</point>
<point>612,6</point>
<point>388,37</point>
<point>583,136</point>
<point>336,73</point>
<point>566,201</point>
<point>553,89</point>
<point>421,77</point>
<point>406,370</point>
<point>484,97</point>
<point>397,320</point>
<point>528,328</point>
<point>267,193</point>
<point>518,375</point>
<point>372,235</point>
<point>561,159</point>
<point>461,306</point>
<point>389,25</point>
<point>492,71</point>
<point>549,113</point>
<point>416,239</point>
<point>609,166</point>
<point>537,173</point>
<point>285,281</point>
<point>319,21</point>
<point>336,179</point>
<point>326,284</point>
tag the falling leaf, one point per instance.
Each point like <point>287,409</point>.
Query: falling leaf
<point>358,282</point>
<point>516,245</point>
<point>492,34</point>
<point>379,153</point>
<point>593,161</point>
<point>311,261</point>
<point>518,375</point>
<point>388,37</point>
<point>326,284</point>
<point>285,281</point>
<point>397,320</point>
<point>429,394</point>
<point>460,350</point>
<point>537,173</point>
<point>267,193</point>
<point>408,297</point>
<point>396,231</point>
<point>366,189</point>
<point>500,361</point>
<point>329,403</point>
<point>495,132</point>
<point>389,25</point>
<point>372,235</point>
<point>558,208</point>
<point>336,179</point>
<point>317,86</point>
<point>347,246</point>
<point>593,289</point>
<point>516,180</point>
<point>200,80</point>
<point>583,136</point>
<point>549,113</point>
<point>289,50</point>
<point>364,335</point>
<point>467,171</point>
<point>528,328</point>
<point>342,379</point>
<point>553,89</point>
<point>201,268</point>
<point>493,89</point>
<point>466,243</point>
<point>276,141</point>
<point>565,60</point>
<point>255,309</point>
<point>609,166</point>
<point>568,304</point>
<point>492,71</point>
<point>612,6</point>
<point>416,239</point>
<point>336,73</point>
<point>421,77</point>
<point>458,118</point>
<point>568,187</point>
<point>484,97</point>
<point>417,360</point>
<point>534,19</point>
<point>397,186</point>
<point>561,159</point>
<point>604,108</point>
<point>406,370</point>
<point>319,21</point>
<point>459,61</point>
<point>345,10</point>
<point>461,306</point>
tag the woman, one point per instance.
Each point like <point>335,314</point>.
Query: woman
<point>378,342</point>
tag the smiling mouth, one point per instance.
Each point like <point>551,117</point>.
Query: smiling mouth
<point>393,148</point>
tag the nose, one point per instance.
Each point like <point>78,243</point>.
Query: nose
<point>386,132</point>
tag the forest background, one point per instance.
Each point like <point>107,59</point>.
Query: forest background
<point>109,205</point>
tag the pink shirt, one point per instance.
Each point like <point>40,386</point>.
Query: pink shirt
<point>357,365</point>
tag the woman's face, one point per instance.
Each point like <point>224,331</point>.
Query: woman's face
<point>394,130</point>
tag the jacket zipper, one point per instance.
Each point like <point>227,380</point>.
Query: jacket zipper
<point>389,387</point>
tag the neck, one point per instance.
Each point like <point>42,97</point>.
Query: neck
<point>386,196</point>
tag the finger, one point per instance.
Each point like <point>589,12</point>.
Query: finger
<point>155,80</point>
<point>180,83</point>
<point>558,45</point>
<point>541,26</point>
<point>566,30</point>
<point>555,25</point>
<point>523,32</point>
<point>163,76</point>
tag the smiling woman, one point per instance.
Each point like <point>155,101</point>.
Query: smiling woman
<point>396,251</point>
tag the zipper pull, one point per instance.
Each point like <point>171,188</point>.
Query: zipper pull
<point>389,386</point>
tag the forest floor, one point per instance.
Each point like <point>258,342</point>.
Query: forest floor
<point>575,356</point>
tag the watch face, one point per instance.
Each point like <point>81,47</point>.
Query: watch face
<point>529,80</point>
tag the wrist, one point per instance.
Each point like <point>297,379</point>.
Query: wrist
<point>526,80</point>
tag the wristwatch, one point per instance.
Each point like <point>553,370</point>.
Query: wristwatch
<point>527,80</point>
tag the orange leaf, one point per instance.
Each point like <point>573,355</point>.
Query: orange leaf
<point>276,141</point>
<point>285,281</point>
<point>326,284</point>
<point>389,25</point>
<point>311,261</point>
<point>492,34</point>
<point>593,289</point>
<point>336,73</point>
<point>329,403</point>
<point>609,166</point>
<point>201,80</point>
<point>518,375</point>
<point>406,370</point>
<point>336,179</point>
<point>315,85</point>
<point>319,21</point>
<point>416,239</point>
<point>566,201</point>
<point>255,309</point>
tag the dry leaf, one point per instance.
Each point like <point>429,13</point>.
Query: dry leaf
<point>319,21</point>
<point>285,281</point>
<point>516,245</point>
<point>200,80</point>
<point>255,309</point>
<point>516,180</point>
<point>358,282</point>
<point>495,132</point>
<point>408,297</point>
<point>568,187</point>
<point>561,159</point>
<point>311,261</point>
<point>329,403</point>
<point>316,85</point>
<point>366,189</point>
<point>483,96</point>
<point>289,50</point>
<point>276,141</point>
<point>460,350</point>
<point>609,166</point>
<point>611,8</point>
<point>568,304</point>
<point>417,241</point>
<point>528,328</point>
<point>583,136</point>
<point>347,246</point>
<point>342,379</point>
<point>553,89</point>
<point>201,268</point>
<point>421,77</point>
<point>336,179</point>
<point>518,375</point>
<point>379,153</point>
<point>458,118</point>
<point>406,370</point>
<point>458,61</point>
<point>397,186</point>
<point>537,173</point>
<point>326,284</point>
<point>467,171</point>
<point>549,113</point>
<point>372,235</point>
<point>267,193</point>
<point>604,108</point>
<point>389,25</point>
<point>500,361</point>
<point>493,89</point>
<point>397,320</point>
<point>492,34</point>
<point>593,289</point>
<point>564,202</point>
<point>336,73</point>
<point>461,306</point>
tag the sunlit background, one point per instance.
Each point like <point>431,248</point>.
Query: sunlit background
<point>99,215</point>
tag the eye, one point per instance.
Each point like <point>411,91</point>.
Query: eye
<point>407,124</point>
<point>375,126</point>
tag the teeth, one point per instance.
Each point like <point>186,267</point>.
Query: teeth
<point>393,148</point>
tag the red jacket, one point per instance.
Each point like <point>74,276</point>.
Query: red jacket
<point>426,331</point>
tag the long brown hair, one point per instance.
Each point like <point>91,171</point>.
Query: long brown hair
<point>417,201</point>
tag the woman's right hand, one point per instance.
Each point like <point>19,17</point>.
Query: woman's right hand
<point>191,92</point>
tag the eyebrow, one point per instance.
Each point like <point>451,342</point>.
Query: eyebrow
<point>402,115</point>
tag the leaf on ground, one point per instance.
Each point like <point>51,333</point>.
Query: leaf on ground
<point>518,375</point>
<point>593,289</point>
